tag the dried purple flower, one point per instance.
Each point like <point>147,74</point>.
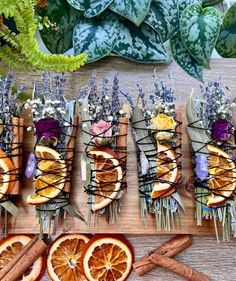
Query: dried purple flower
<point>221,130</point>
<point>48,128</point>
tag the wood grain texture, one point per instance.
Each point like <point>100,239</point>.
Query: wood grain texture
<point>217,261</point>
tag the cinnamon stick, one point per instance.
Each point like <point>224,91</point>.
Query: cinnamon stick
<point>15,153</point>
<point>16,258</point>
<point>169,249</point>
<point>18,131</point>
<point>26,261</point>
<point>121,142</point>
<point>178,267</point>
<point>70,153</point>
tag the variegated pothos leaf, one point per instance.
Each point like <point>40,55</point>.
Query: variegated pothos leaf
<point>199,31</point>
<point>163,16</point>
<point>96,7</point>
<point>140,44</point>
<point>226,43</point>
<point>59,11</point>
<point>95,37</point>
<point>206,3</point>
<point>78,4</point>
<point>184,58</point>
<point>185,3</point>
<point>91,8</point>
<point>134,10</point>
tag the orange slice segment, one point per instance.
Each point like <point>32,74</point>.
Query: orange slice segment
<point>11,246</point>
<point>7,174</point>
<point>108,176</point>
<point>63,262</point>
<point>52,175</point>
<point>167,171</point>
<point>222,172</point>
<point>107,257</point>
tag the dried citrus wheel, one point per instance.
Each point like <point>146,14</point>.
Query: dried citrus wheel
<point>107,258</point>
<point>222,172</point>
<point>51,176</point>
<point>64,258</point>
<point>167,171</point>
<point>7,174</point>
<point>108,176</point>
<point>11,246</point>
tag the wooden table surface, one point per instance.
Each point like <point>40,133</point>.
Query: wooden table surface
<point>217,261</point>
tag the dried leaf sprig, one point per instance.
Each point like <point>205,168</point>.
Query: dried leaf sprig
<point>154,125</point>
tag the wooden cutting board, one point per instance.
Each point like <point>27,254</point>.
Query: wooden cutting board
<point>129,221</point>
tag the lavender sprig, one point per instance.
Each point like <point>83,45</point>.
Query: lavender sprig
<point>102,105</point>
<point>217,103</point>
<point>9,108</point>
<point>116,105</point>
<point>48,97</point>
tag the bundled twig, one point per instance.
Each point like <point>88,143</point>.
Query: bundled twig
<point>11,138</point>
<point>105,138</point>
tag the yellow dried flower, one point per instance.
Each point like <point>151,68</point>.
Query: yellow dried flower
<point>163,122</point>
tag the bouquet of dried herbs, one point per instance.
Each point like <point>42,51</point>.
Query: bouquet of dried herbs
<point>211,132</point>
<point>11,138</point>
<point>55,124</point>
<point>103,165</point>
<point>157,131</point>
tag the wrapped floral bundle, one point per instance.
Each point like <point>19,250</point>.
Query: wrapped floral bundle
<point>157,127</point>
<point>211,132</point>
<point>11,138</point>
<point>105,138</point>
<point>50,166</point>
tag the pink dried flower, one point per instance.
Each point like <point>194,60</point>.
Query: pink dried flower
<point>102,132</point>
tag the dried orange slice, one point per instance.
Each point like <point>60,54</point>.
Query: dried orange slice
<point>222,172</point>
<point>11,246</point>
<point>7,174</point>
<point>107,258</point>
<point>64,258</point>
<point>108,176</point>
<point>51,177</point>
<point>167,171</point>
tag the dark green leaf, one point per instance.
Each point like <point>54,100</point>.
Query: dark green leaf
<point>96,36</point>
<point>226,43</point>
<point>134,10</point>
<point>65,16</point>
<point>206,3</point>
<point>164,18</point>
<point>80,5</point>
<point>184,58</point>
<point>199,31</point>
<point>185,3</point>
<point>91,8</point>
<point>96,7</point>
<point>140,44</point>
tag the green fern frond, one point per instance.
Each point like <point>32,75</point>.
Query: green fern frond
<point>14,59</point>
<point>25,53</point>
<point>9,36</point>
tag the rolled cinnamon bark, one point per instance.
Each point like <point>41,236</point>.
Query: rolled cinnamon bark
<point>178,267</point>
<point>15,151</point>
<point>26,261</point>
<point>18,131</point>
<point>70,153</point>
<point>121,142</point>
<point>16,258</point>
<point>169,249</point>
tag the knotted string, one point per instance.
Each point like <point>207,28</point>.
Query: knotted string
<point>62,200</point>
<point>228,147</point>
<point>147,181</point>
<point>96,188</point>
